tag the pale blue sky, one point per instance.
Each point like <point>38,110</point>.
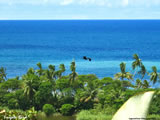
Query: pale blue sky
<point>79,9</point>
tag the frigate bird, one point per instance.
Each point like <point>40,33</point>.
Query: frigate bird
<point>86,58</point>
<point>89,59</point>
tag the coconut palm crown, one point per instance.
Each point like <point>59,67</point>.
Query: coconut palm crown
<point>123,74</point>
<point>154,75</point>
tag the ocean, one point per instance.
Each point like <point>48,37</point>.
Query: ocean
<point>108,42</point>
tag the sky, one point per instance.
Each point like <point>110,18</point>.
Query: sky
<point>79,9</point>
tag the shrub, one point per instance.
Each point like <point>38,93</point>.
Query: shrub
<point>67,109</point>
<point>48,109</point>
<point>13,104</point>
<point>30,114</point>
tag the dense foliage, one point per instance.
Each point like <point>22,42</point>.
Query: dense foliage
<point>7,114</point>
<point>48,109</point>
<point>67,109</point>
<point>76,92</point>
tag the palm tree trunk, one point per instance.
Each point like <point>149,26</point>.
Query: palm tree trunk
<point>135,73</point>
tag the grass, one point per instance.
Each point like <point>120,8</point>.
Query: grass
<point>87,115</point>
<point>83,115</point>
<point>155,117</point>
<point>55,116</point>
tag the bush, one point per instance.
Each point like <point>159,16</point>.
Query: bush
<point>30,114</point>
<point>13,104</point>
<point>48,109</point>
<point>67,109</point>
<point>100,109</point>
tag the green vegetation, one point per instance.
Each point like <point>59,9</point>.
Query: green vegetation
<point>48,109</point>
<point>155,117</point>
<point>56,116</point>
<point>67,109</point>
<point>18,114</point>
<point>51,91</point>
<point>88,115</point>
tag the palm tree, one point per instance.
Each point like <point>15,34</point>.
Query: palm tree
<point>28,86</point>
<point>138,83</point>
<point>126,84</point>
<point>129,76</point>
<point>73,75</point>
<point>61,70</point>
<point>123,74</point>
<point>90,95</point>
<point>154,75</point>
<point>30,71</point>
<point>48,75</point>
<point>52,71</point>
<point>2,74</point>
<point>143,71</point>
<point>145,84</point>
<point>40,71</point>
<point>62,67</point>
<point>137,63</point>
<point>51,67</point>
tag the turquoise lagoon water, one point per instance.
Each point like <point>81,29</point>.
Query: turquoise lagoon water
<point>107,42</point>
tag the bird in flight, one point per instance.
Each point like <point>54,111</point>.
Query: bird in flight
<point>85,58</point>
<point>89,59</point>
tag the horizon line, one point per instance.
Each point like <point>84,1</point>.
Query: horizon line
<point>69,19</point>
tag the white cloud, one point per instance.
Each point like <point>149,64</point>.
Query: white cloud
<point>58,2</point>
<point>107,3</point>
<point>95,2</point>
<point>125,2</point>
<point>66,2</point>
<point>32,2</point>
<point>144,3</point>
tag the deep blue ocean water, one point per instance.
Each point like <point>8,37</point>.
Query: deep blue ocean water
<point>107,42</point>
